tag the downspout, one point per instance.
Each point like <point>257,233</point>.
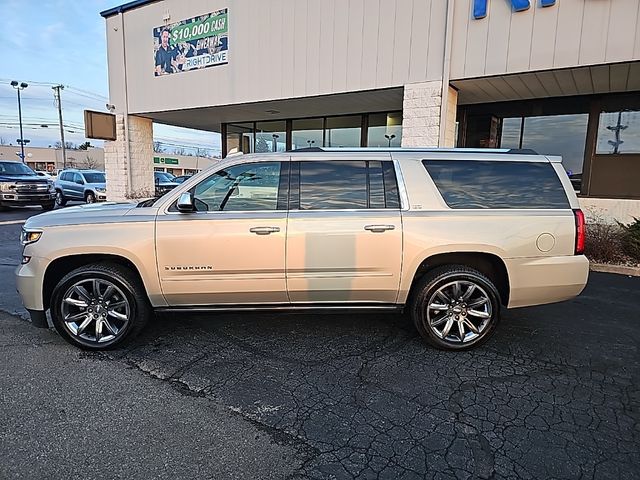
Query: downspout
<point>127,148</point>
<point>446,73</point>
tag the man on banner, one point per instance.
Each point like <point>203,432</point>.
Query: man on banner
<point>166,56</point>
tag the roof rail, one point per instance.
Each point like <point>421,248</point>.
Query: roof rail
<point>512,151</point>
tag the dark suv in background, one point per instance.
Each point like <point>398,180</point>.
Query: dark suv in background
<point>20,187</point>
<point>84,185</point>
<point>165,182</point>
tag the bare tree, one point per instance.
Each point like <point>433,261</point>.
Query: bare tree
<point>202,152</point>
<point>3,141</point>
<point>90,162</point>
<point>179,151</point>
<point>157,147</point>
<point>67,145</point>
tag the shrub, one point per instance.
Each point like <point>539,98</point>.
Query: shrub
<point>631,238</point>
<point>603,243</point>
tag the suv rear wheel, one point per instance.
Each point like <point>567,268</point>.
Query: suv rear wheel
<point>455,307</point>
<point>97,307</point>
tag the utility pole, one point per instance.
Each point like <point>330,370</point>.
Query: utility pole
<point>21,140</point>
<point>57,89</point>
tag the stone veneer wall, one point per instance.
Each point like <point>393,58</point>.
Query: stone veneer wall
<point>421,114</point>
<point>120,186</point>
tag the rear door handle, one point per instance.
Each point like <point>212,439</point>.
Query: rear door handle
<point>264,230</point>
<point>379,228</point>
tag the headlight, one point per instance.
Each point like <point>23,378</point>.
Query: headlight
<point>30,236</point>
<point>51,186</point>
<point>6,186</point>
<point>101,189</point>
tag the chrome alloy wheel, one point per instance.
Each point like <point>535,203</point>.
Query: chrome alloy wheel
<point>459,311</point>
<point>95,310</point>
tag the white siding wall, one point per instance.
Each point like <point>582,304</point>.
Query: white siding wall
<point>571,33</point>
<point>283,49</point>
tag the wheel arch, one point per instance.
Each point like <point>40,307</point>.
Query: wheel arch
<point>489,264</point>
<point>59,267</point>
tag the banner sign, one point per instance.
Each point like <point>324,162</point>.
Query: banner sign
<point>191,44</point>
<point>166,160</point>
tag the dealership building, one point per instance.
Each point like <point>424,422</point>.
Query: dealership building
<point>561,77</point>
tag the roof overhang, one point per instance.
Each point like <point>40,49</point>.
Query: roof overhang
<point>124,7</point>
<point>212,117</point>
<point>584,80</point>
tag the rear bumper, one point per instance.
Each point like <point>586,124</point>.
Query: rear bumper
<point>536,281</point>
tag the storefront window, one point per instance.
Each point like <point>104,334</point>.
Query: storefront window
<point>271,136</point>
<point>343,131</point>
<point>307,133</point>
<point>385,130</point>
<point>239,138</point>
<point>511,130</point>
<point>563,135</point>
<point>619,132</point>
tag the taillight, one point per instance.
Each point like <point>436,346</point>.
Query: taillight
<point>580,231</point>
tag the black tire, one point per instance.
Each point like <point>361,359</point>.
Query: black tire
<point>61,200</point>
<point>456,312</point>
<point>132,292</point>
<point>90,197</point>
<point>48,206</point>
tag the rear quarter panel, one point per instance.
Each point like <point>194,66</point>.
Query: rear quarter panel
<point>527,240</point>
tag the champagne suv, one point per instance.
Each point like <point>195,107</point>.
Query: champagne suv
<point>450,236</point>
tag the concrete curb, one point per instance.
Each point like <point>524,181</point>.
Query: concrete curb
<point>619,269</point>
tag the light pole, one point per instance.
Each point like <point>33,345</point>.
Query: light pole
<point>310,142</point>
<point>18,87</point>
<point>390,137</point>
<point>275,142</point>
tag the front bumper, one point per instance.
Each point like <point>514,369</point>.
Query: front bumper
<point>9,199</point>
<point>29,283</point>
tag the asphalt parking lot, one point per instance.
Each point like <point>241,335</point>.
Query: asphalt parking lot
<point>554,394</point>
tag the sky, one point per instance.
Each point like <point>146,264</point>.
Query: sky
<point>51,42</point>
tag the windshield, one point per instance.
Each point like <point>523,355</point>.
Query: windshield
<point>94,177</point>
<point>163,177</point>
<point>15,168</point>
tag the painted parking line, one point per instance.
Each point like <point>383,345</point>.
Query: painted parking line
<point>12,222</point>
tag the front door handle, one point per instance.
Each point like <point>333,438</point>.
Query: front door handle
<point>379,228</point>
<point>264,230</point>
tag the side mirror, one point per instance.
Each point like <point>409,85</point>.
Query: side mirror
<point>80,182</point>
<point>185,202</point>
<point>157,180</point>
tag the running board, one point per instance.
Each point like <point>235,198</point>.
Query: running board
<point>328,307</point>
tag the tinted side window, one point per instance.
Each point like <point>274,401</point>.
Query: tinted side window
<point>343,185</point>
<point>497,184</point>
<point>64,177</point>
<point>246,187</point>
<point>333,185</point>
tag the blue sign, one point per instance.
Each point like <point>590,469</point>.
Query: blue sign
<point>480,7</point>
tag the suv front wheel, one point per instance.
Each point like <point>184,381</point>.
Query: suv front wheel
<point>97,307</point>
<point>455,307</point>
<point>61,200</point>
<point>90,197</point>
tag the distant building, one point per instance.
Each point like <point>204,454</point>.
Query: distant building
<point>50,160</point>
